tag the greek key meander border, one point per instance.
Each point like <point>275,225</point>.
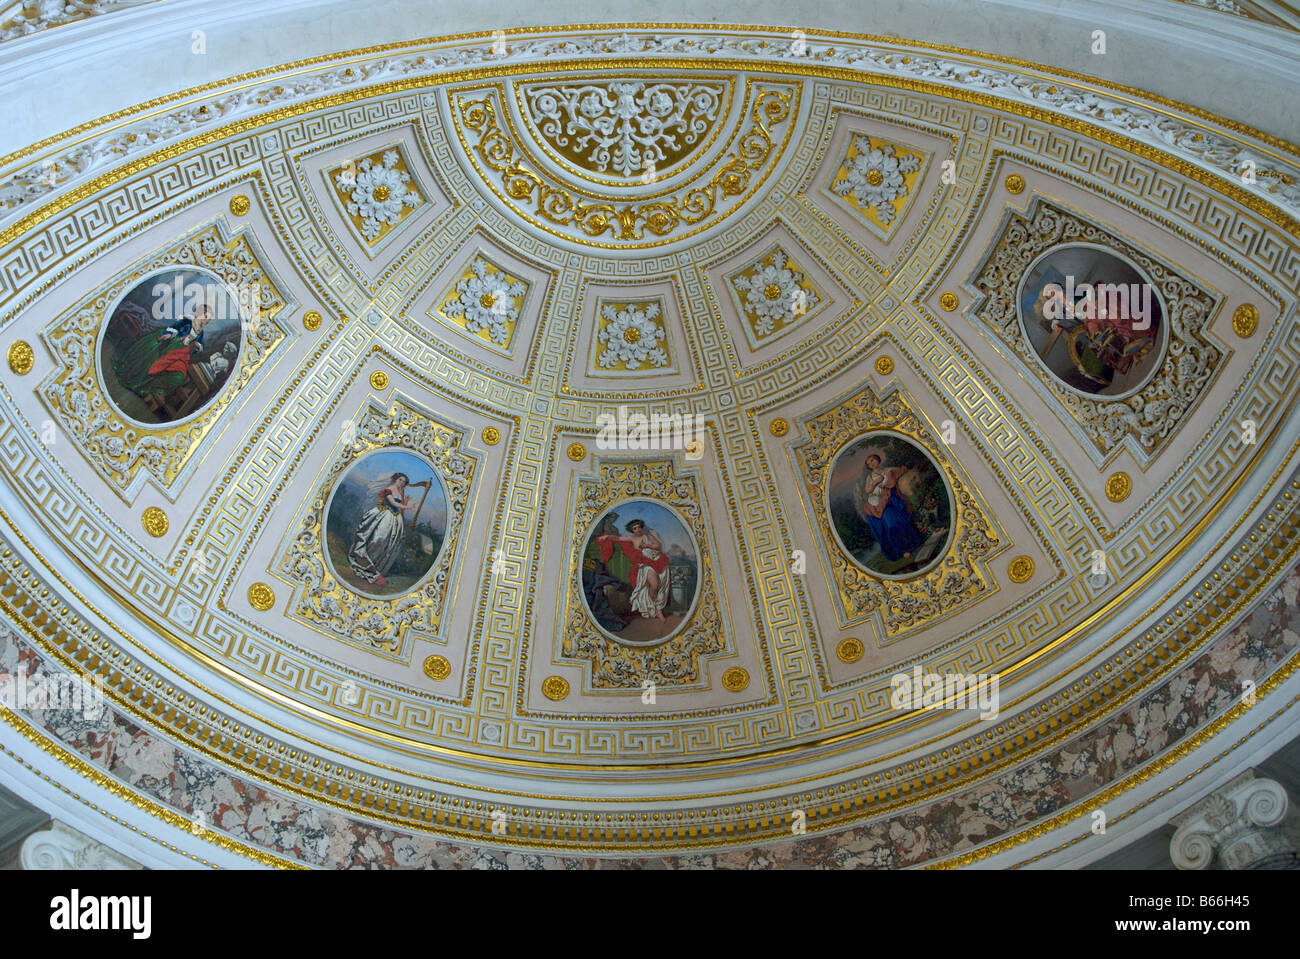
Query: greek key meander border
<point>478,827</point>
<point>892,57</point>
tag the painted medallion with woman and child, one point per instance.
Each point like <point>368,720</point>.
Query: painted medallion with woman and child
<point>890,506</point>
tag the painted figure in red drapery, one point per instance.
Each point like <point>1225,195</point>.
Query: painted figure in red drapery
<point>649,575</point>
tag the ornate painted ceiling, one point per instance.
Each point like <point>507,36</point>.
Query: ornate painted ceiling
<point>562,440</point>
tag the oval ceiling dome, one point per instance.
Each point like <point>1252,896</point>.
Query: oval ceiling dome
<point>647,440</point>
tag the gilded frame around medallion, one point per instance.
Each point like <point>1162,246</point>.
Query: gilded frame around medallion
<point>1145,420</point>
<point>675,663</point>
<point>385,626</point>
<point>958,580</point>
<point>121,450</point>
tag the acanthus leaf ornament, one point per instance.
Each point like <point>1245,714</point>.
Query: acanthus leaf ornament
<point>485,302</point>
<point>581,214</point>
<point>625,126</point>
<point>383,623</point>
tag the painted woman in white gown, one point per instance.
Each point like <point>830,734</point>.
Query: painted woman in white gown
<point>381,533</point>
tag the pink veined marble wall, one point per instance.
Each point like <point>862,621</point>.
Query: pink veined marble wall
<point>264,818</point>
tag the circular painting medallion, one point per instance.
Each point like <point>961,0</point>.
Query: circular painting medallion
<point>640,572</point>
<point>1093,319</point>
<point>890,506</point>
<point>385,523</point>
<point>171,346</point>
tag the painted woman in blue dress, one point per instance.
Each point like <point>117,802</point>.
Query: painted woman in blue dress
<point>885,509</point>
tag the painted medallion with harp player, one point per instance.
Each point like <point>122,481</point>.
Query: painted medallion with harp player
<point>385,523</point>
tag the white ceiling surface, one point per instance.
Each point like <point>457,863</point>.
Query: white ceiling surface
<point>72,74</point>
<point>117,61</point>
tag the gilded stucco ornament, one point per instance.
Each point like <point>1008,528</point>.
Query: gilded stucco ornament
<point>1115,114</point>
<point>1020,569</point>
<point>1118,486</point>
<point>484,302</point>
<point>774,295</point>
<point>21,357</point>
<point>1244,319</point>
<point>877,179</point>
<point>580,211</point>
<point>735,679</point>
<point>849,650</point>
<point>376,192</point>
<point>382,623</point>
<point>631,336</point>
<point>437,667</point>
<point>630,127</point>
<point>601,739</point>
<point>555,688</point>
<point>155,521</point>
<point>261,597</point>
<point>957,580</point>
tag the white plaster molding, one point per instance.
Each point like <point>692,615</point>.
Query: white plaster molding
<point>62,847</point>
<point>32,16</point>
<point>1177,50</point>
<point>1236,826</point>
<point>41,177</point>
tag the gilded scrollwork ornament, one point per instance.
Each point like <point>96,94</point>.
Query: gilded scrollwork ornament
<point>641,603</point>
<point>904,535</point>
<point>502,157</point>
<point>376,577</point>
